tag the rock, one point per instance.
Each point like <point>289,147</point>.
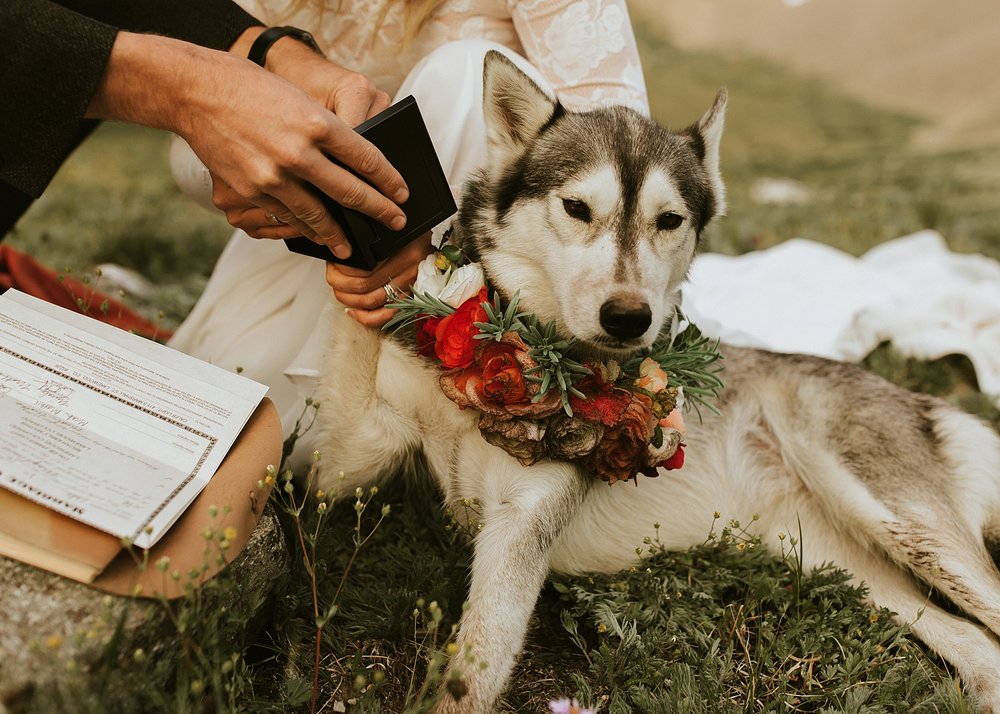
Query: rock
<point>68,647</point>
<point>117,277</point>
<point>767,191</point>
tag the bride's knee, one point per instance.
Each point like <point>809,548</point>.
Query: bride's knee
<point>456,63</point>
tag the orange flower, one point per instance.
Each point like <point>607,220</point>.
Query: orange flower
<point>674,420</point>
<point>652,378</point>
<point>622,452</point>
<point>455,345</point>
<point>494,383</point>
<point>503,382</point>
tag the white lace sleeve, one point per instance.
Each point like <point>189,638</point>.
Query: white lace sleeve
<point>585,48</point>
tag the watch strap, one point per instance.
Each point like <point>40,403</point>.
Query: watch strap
<point>259,48</point>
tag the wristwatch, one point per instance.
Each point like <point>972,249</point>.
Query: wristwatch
<point>260,46</point>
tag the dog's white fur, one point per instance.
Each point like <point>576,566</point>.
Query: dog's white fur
<point>897,488</point>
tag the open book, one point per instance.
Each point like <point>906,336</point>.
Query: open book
<point>105,436</point>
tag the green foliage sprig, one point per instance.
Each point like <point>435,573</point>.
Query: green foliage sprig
<point>554,367</point>
<point>690,359</point>
<point>499,320</point>
<point>418,306</point>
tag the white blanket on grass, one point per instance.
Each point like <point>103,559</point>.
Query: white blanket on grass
<point>802,296</point>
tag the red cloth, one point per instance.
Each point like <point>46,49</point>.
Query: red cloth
<point>22,272</point>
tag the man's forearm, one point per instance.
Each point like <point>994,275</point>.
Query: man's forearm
<point>59,57</point>
<point>156,81</point>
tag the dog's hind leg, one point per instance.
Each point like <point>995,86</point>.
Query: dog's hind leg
<point>941,536</point>
<point>970,649</point>
<point>923,524</point>
<point>523,510</point>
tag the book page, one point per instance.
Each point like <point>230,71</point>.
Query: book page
<point>106,427</point>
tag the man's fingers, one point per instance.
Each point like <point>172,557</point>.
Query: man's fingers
<point>272,232</point>
<point>257,223</point>
<point>362,157</point>
<point>379,104</point>
<point>302,206</point>
<point>353,107</point>
<point>275,214</point>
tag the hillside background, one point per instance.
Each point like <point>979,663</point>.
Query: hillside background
<point>849,122</point>
<point>936,60</point>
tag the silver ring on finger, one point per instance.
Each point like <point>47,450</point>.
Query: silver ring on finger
<point>392,293</point>
<point>274,219</point>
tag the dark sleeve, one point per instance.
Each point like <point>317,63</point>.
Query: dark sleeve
<point>54,66</point>
<point>209,23</point>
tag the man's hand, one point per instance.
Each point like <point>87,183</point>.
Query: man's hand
<point>257,133</point>
<point>349,95</point>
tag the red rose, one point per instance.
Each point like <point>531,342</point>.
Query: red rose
<point>426,338</point>
<point>454,343</point>
<point>503,382</point>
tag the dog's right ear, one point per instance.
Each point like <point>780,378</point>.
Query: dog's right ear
<point>514,107</point>
<point>709,131</point>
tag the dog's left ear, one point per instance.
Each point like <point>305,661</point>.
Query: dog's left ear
<point>709,133</point>
<point>515,108</point>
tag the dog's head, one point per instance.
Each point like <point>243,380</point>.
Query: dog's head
<point>593,217</point>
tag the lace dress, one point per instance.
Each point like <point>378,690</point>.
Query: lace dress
<point>261,311</point>
<point>584,48</point>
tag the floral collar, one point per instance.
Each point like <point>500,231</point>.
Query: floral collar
<point>534,401</point>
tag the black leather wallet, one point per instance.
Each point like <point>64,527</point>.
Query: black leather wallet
<point>400,134</point>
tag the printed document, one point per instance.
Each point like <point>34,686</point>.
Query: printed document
<point>106,427</point>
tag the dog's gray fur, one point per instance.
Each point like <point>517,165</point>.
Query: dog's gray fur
<point>898,488</point>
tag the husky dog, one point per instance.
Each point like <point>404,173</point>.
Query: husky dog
<point>594,219</point>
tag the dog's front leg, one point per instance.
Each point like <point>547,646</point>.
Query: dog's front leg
<point>365,425</point>
<point>523,510</point>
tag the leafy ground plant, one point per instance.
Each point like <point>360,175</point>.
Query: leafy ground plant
<point>723,627</point>
<point>726,627</point>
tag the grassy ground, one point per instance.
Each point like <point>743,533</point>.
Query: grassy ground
<point>115,201</point>
<point>724,628</point>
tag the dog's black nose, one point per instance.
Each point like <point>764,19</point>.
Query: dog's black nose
<point>625,318</point>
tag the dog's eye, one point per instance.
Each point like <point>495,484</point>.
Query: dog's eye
<point>668,221</point>
<point>577,209</point>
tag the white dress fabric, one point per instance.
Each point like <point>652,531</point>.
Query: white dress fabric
<point>584,48</point>
<point>802,296</point>
<point>261,310</point>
